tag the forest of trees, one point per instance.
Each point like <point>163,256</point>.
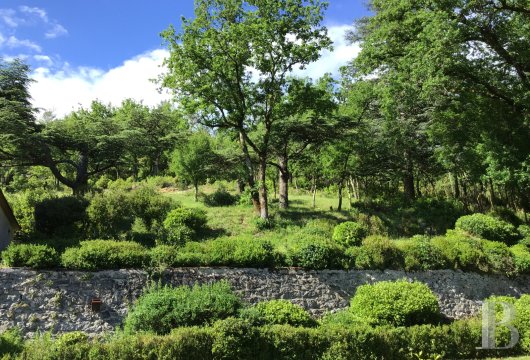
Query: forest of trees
<point>436,105</point>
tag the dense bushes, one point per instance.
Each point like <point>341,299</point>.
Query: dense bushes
<point>235,339</point>
<point>349,233</point>
<point>161,309</point>
<point>30,255</point>
<point>278,312</point>
<point>220,198</point>
<point>397,303</point>
<point>61,216</point>
<point>183,225</point>
<point>488,227</point>
<point>105,254</point>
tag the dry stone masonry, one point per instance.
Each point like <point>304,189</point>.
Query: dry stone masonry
<point>61,301</point>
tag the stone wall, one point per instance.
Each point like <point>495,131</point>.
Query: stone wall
<point>60,300</point>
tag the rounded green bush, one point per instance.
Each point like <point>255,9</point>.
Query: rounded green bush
<point>105,254</point>
<point>399,303</point>
<point>241,252</point>
<point>234,338</point>
<point>30,255</point>
<point>420,254</point>
<point>500,259</point>
<point>161,309</point>
<point>317,256</point>
<point>183,225</point>
<point>488,228</point>
<point>378,252</point>
<point>349,233</point>
<point>521,258</point>
<point>280,312</point>
<point>462,251</point>
<point>220,198</point>
<point>62,215</point>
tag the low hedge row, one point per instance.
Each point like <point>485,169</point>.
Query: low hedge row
<point>236,339</point>
<point>456,250</point>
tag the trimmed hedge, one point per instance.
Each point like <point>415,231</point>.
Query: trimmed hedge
<point>349,233</point>
<point>399,303</point>
<point>183,225</point>
<point>235,339</point>
<point>105,254</point>
<point>278,312</point>
<point>162,309</point>
<point>488,227</point>
<point>30,255</point>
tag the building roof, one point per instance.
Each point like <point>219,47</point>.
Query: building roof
<point>4,206</point>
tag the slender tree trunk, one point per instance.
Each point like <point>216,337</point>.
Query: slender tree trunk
<point>492,193</point>
<point>283,181</point>
<point>314,192</point>
<point>274,187</point>
<point>250,173</point>
<point>408,179</point>
<point>339,208</point>
<point>349,194</point>
<point>240,186</point>
<point>263,201</point>
<point>196,186</point>
<point>456,186</point>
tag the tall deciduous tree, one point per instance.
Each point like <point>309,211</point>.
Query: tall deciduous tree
<point>230,65</point>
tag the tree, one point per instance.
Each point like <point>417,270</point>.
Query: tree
<point>195,161</point>
<point>305,118</point>
<point>229,66</point>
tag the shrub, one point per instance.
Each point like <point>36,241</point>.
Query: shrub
<point>11,342</point>
<point>23,205</point>
<point>318,255</point>
<point>183,225</point>
<point>105,254</point>
<point>488,227</point>
<point>110,214</point>
<point>521,258</point>
<point>63,215</point>
<point>263,224</point>
<point>220,198</point>
<point>420,254</point>
<point>281,312</point>
<point>378,252</point>
<point>288,342</point>
<point>462,251</point>
<point>319,228</point>
<point>234,339</point>
<point>242,252</point>
<point>150,206</point>
<point>30,255</point>
<point>399,303</point>
<point>524,231</point>
<point>161,309</point>
<point>349,233</point>
<point>499,257</point>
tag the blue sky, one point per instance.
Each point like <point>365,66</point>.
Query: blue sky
<point>109,49</point>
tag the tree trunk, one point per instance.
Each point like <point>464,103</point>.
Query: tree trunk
<point>250,173</point>
<point>240,186</point>
<point>492,193</point>
<point>456,186</point>
<point>408,179</point>
<point>196,186</point>
<point>349,194</point>
<point>283,181</point>
<point>263,201</point>
<point>314,192</point>
<point>339,208</point>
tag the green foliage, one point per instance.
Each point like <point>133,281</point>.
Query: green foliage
<point>61,216</point>
<point>113,212</point>
<point>399,303</point>
<point>279,312</point>
<point>220,197</point>
<point>524,230</point>
<point>11,342</point>
<point>462,251</point>
<point>421,254</point>
<point>499,257</point>
<point>316,255</point>
<point>234,339</point>
<point>183,225</point>
<point>68,342</point>
<point>349,233</point>
<point>23,205</point>
<point>488,227</point>
<point>30,255</point>
<point>241,252</point>
<point>378,252</point>
<point>161,309</point>
<point>521,258</point>
<point>96,255</point>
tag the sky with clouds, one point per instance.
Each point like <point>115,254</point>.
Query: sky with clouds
<point>80,51</point>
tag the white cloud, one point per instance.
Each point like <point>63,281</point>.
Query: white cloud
<point>56,31</point>
<point>8,17</point>
<point>35,11</point>
<point>331,61</point>
<point>69,88</point>
<point>14,42</point>
<point>43,59</point>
